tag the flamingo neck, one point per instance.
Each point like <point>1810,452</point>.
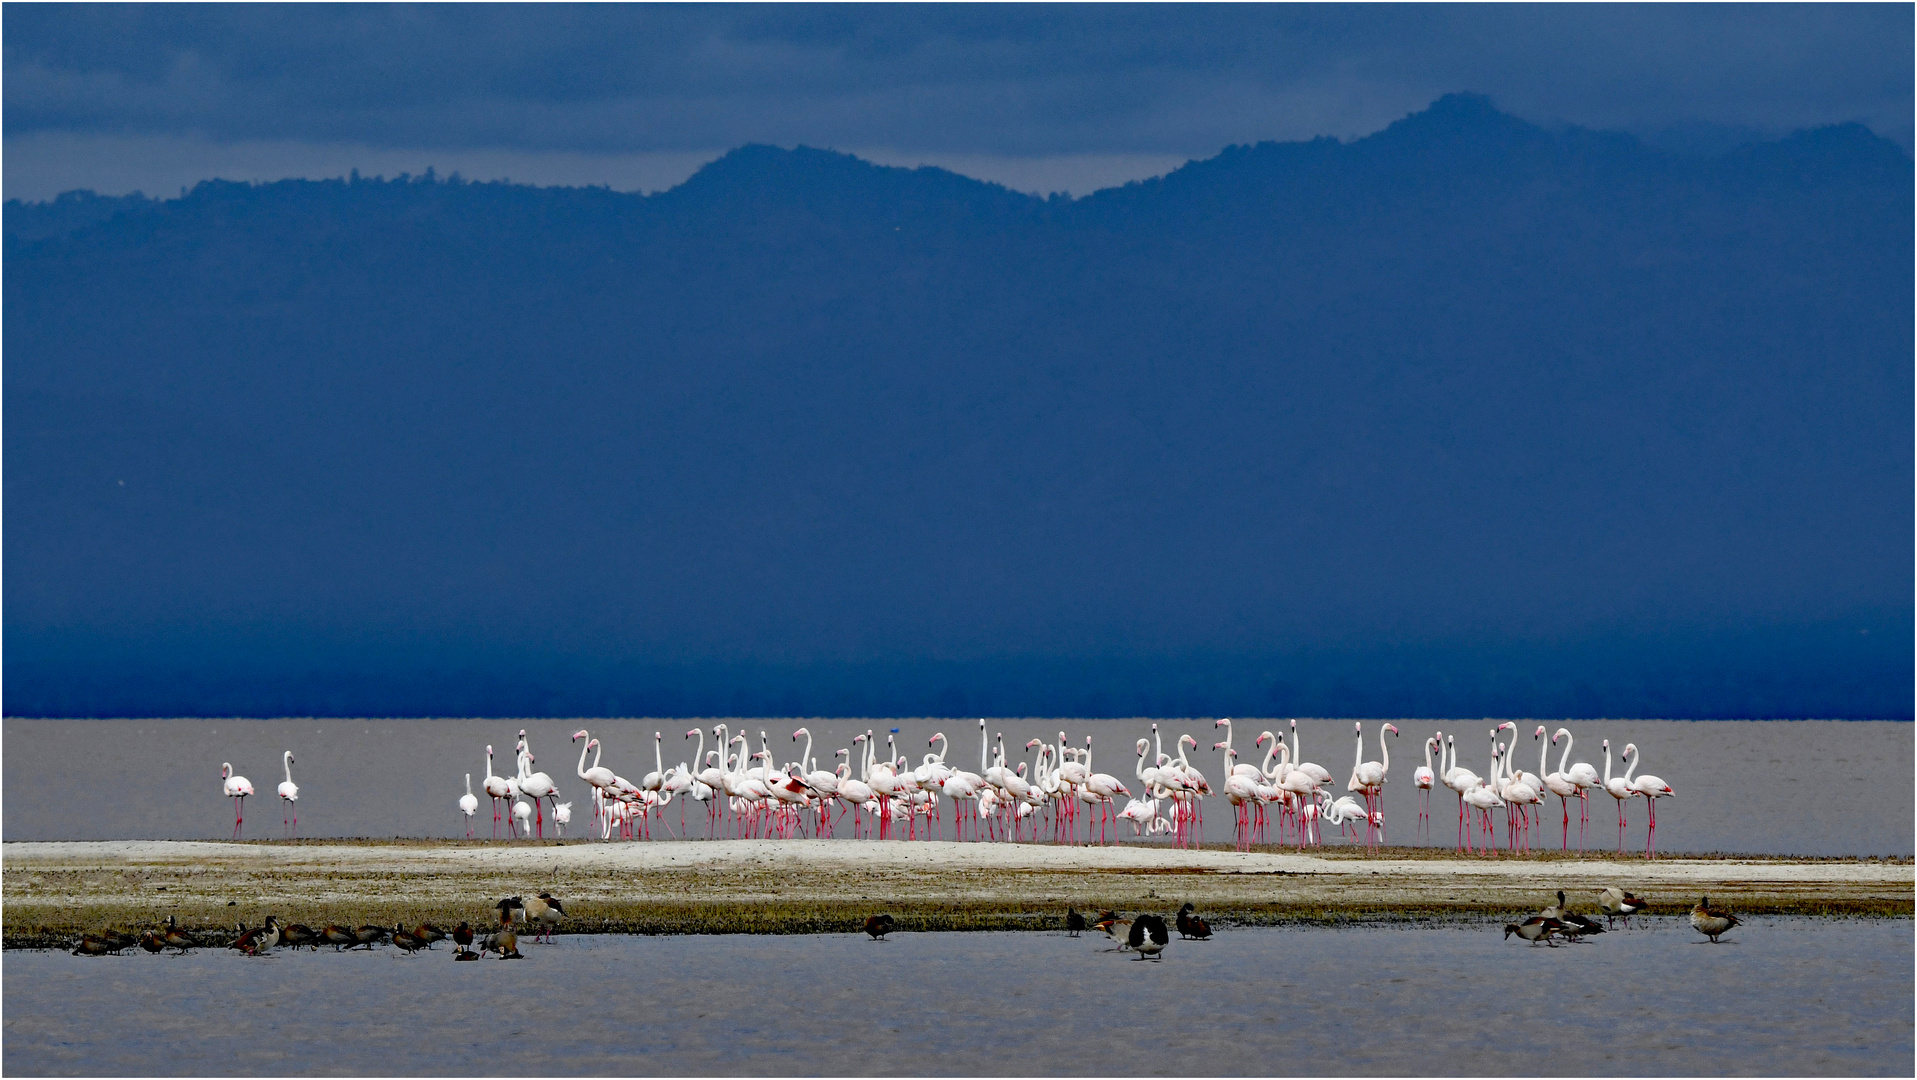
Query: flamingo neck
<point>1566,756</point>
<point>1384,749</point>
<point>1632,754</point>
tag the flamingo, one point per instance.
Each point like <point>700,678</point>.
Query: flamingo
<point>289,794</point>
<point>1422,777</point>
<point>536,785</point>
<point>236,788</point>
<point>469,805</point>
<point>1617,788</point>
<point>522,815</point>
<point>1368,777</point>
<point>1652,788</point>
<point>1559,783</point>
<point>561,816</point>
<point>498,788</point>
<point>1461,780</point>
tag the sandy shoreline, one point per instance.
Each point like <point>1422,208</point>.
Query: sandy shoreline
<point>56,890</point>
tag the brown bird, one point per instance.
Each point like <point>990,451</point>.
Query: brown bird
<point>1711,923</point>
<point>1074,922</point>
<point>368,935</point>
<point>294,935</point>
<point>878,926</point>
<point>429,933</point>
<point>462,936</point>
<point>504,941</point>
<point>1191,926</point>
<point>338,937</point>
<point>408,943</point>
<point>176,938</point>
<point>88,945</point>
<point>151,942</point>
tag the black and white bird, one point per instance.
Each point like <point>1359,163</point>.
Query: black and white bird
<point>1711,923</point>
<point>1148,937</point>
<point>259,939</point>
<point>1615,902</point>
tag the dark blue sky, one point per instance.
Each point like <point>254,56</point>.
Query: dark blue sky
<point>119,97</point>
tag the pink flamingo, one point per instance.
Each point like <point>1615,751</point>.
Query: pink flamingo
<point>1652,788</point>
<point>236,788</point>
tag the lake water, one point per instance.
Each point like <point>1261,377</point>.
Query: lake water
<point>1778,997</point>
<point>1784,787</point>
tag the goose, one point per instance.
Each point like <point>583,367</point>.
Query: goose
<point>1615,902</point>
<point>1535,929</point>
<point>877,926</point>
<point>1115,928</point>
<point>1191,926</point>
<point>1711,923</point>
<point>544,910</point>
<point>1074,922</point>
<point>503,940</point>
<point>1148,937</point>
<point>259,939</point>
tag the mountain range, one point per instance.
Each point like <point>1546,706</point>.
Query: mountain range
<point>1465,417</point>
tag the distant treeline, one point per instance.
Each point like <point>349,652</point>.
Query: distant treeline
<point>1466,417</point>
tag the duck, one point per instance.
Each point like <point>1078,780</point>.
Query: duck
<point>150,941</point>
<point>339,937</point>
<point>89,945</point>
<point>1535,929</point>
<point>407,942</point>
<point>877,926</point>
<point>1191,926</point>
<point>462,938</point>
<point>117,941</point>
<point>1148,937</point>
<point>176,938</point>
<point>1615,902</point>
<point>503,941</point>
<point>1711,923</point>
<point>1074,922</point>
<point>368,935</point>
<point>294,935</point>
<point>429,933</point>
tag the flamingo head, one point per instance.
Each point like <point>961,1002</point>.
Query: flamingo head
<point>936,736</point>
<point>1220,746</point>
<point>841,752</point>
<point>1540,732</point>
<point>580,734</point>
<point>1392,728</point>
<point>1629,749</point>
<point>1143,745</point>
<point>1222,722</point>
<point>226,769</point>
<point>691,733</point>
<point>1261,740</point>
<point>1021,768</point>
<point>1031,744</point>
<point>801,731</point>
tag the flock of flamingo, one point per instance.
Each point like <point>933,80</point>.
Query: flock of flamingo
<point>745,794</point>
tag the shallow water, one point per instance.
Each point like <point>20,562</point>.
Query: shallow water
<point>1779,787</point>
<point>1778,997</point>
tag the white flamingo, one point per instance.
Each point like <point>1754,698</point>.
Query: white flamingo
<point>469,805</point>
<point>1652,788</point>
<point>498,788</point>
<point>289,794</point>
<point>1617,788</point>
<point>236,788</point>
<point>1559,783</point>
<point>1422,777</point>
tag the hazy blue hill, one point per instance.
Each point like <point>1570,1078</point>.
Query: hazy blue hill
<point>1466,417</point>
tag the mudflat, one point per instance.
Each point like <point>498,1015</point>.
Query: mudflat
<point>54,891</point>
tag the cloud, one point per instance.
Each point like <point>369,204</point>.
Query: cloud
<point>614,85</point>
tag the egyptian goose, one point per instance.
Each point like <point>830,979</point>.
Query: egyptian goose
<point>546,911</point>
<point>1535,929</point>
<point>1711,923</point>
<point>1615,902</point>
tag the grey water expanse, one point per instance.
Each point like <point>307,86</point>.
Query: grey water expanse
<point>1782,787</point>
<point>1779,997</point>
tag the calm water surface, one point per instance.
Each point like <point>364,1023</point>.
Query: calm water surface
<point>1779,997</point>
<point>1781,787</point>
